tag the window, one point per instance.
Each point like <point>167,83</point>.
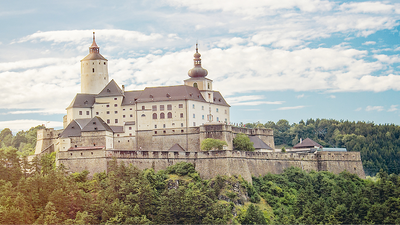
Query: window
<point>194,115</point>
<point>193,106</point>
<point>116,120</point>
<point>131,115</point>
<point>180,106</point>
<point>80,112</point>
<point>195,85</point>
<point>226,112</point>
<point>194,124</point>
<point>104,63</point>
<point>143,115</point>
<point>181,124</point>
<point>123,109</point>
<point>162,116</point>
<point>155,126</point>
<point>154,116</point>
<point>115,105</point>
<point>217,119</point>
<point>208,85</point>
<point>202,107</point>
<point>154,108</point>
<point>155,132</point>
<point>216,109</point>
<point>163,125</point>
<point>107,106</point>
<point>123,116</point>
<point>87,113</point>
<point>93,70</point>
<point>108,112</point>
<point>169,107</point>
<point>169,115</point>
<point>130,128</point>
<point>164,131</point>
<point>116,112</point>
<point>108,120</point>
<point>143,107</point>
<point>181,115</point>
<point>97,113</point>
<point>202,117</point>
<point>161,107</point>
<point>209,96</point>
<point>115,99</point>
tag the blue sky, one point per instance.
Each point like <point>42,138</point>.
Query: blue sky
<point>276,59</point>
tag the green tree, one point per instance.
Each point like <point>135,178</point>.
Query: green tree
<point>242,142</point>
<point>210,144</point>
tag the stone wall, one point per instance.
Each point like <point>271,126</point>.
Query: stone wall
<point>210,164</point>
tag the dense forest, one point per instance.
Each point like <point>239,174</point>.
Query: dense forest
<point>379,144</point>
<point>40,193</point>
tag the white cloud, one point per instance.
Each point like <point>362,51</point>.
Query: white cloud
<point>367,7</point>
<point>291,107</point>
<point>17,125</point>
<point>374,108</point>
<point>260,103</point>
<point>358,109</point>
<point>369,43</point>
<point>393,108</point>
<point>300,96</point>
<point>254,7</point>
<point>79,36</point>
<point>332,96</point>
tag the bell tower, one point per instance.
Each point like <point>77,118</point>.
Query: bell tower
<point>198,78</point>
<point>94,70</point>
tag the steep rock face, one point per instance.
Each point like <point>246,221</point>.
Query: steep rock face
<point>230,189</point>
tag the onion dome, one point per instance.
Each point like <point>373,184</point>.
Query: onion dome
<point>197,70</point>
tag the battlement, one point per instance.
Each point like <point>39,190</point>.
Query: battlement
<point>212,163</point>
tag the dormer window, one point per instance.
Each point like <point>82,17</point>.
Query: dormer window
<point>168,95</point>
<point>86,102</point>
<point>108,90</point>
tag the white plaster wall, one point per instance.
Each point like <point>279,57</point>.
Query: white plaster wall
<point>93,82</point>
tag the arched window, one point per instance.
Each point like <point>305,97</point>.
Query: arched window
<point>208,85</point>
<point>169,115</point>
<point>154,116</point>
<point>93,70</point>
<point>162,116</point>
<point>195,85</point>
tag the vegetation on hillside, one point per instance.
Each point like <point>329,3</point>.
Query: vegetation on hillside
<point>379,144</point>
<point>40,193</point>
<point>24,141</point>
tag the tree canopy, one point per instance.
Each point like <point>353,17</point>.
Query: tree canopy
<point>242,142</point>
<point>210,144</point>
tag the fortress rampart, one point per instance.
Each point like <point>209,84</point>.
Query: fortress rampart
<point>212,163</point>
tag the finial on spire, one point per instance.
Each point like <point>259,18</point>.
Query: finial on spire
<point>197,49</point>
<point>94,47</point>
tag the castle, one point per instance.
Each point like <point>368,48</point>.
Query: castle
<point>159,126</point>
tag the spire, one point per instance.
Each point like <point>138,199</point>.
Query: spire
<point>197,70</point>
<point>94,48</point>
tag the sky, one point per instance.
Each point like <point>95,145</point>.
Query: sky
<point>271,60</point>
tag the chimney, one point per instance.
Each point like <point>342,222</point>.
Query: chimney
<point>123,89</point>
<point>301,140</point>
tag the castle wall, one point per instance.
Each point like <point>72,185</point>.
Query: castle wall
<point>213,163</point>
<point>45,139</point>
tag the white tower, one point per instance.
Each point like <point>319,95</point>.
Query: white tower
<point>94,71</point>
